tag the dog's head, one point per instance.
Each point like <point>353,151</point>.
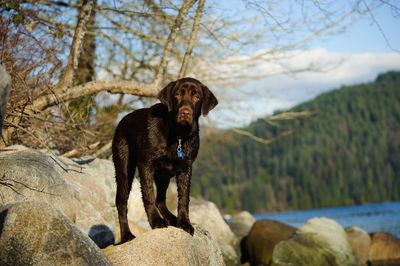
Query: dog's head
<point>187,98</point>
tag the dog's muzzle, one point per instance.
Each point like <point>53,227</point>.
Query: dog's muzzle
<point>185,114</point>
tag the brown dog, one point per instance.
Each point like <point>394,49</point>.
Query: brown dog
<point>161,141</point>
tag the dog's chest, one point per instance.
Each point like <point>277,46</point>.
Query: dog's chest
<point>178,152</point>
<point>173,157</point>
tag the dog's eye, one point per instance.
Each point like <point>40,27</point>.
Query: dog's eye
<point>179,93</point>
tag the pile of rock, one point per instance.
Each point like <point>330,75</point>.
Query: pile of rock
<point>55,210</point>
<point>320,241</point>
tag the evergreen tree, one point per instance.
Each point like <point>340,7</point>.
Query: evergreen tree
<point>349,153</point>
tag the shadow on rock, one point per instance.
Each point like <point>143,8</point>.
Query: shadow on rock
<point>81,161</point>
<point>101,235</point>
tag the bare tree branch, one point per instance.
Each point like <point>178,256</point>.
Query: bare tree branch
<point>379,26</point>
<point>258,139</point>
<point>192,40</point>
<point>127,87</point>
<point>112,86</point>
<point>291,115</point>
<point>68,75</point>
<point>270,119</point>
<point>171,40</point>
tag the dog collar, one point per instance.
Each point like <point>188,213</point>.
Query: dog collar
<point>179,149</point>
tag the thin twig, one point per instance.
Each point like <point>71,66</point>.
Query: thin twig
<point>258,139</point>
<point>4,181</point>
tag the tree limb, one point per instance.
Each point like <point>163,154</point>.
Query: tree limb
<point>171,40</point>
<point>258,139</point>
<point>112,86</point>
<point>68,75</point>
<point>192,39</point>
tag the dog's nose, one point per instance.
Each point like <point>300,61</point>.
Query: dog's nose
<point>186,111</point>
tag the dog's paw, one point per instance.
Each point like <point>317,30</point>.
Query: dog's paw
<point>185,225</point>
<point>172,220</point>
<point>127,237</point>
<point>159,223</point>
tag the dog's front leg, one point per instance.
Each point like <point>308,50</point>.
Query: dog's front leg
<point>183,183</point>
<point>146,183</point>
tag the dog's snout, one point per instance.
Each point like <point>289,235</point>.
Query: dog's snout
<point>185,114</point>
<point>186,111</point>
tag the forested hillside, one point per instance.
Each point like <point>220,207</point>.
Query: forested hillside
<point>347,153</point>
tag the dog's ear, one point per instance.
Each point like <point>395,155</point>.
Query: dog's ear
<point>209,100</point>
<point>166,94</point>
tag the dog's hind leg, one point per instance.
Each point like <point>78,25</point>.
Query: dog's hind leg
<point>162,183</point>
<point>124,174</point>
<point>146,174</point>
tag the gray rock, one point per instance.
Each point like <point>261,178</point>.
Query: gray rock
<point>31,175</point>
<point>206,214</point>
<point>360,241</point>
<point>168,246</point>
<point>104,172</point>
<point>201,212</point>
<point>241,224</point>
<point>5,87</point>
<point>36,176</point>
<point>94,215</point>
<point>243,217</point>
<point>35,233</point>
<point>240,230</point>
<point>320,241</point>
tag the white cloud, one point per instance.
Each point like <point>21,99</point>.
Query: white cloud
<point>284,91</point>
<point>341,68</point>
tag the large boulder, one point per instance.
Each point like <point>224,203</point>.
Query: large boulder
<point>202,212</point>
<point>136,211</point>
<point>32,175</point>
<point>94,215</point>
<point>72,188</point>
<point>384,249</point>
<point>360,241</point>
<point>263,237</point>
<point>241,224</point>
<point>168,246</point>
<point>243,217</point>
<point>320,241</point>
<point>5,87</point>
<point>35,233</point>
<point>104,172</point>
<point>206,214</point>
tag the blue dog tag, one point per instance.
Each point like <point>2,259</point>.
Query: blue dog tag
<point>179,149</point>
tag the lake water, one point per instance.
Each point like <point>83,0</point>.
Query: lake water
<point>377,217</point>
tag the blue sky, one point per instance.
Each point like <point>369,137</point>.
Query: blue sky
<point>358,55</point>
<point>365,36</point>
